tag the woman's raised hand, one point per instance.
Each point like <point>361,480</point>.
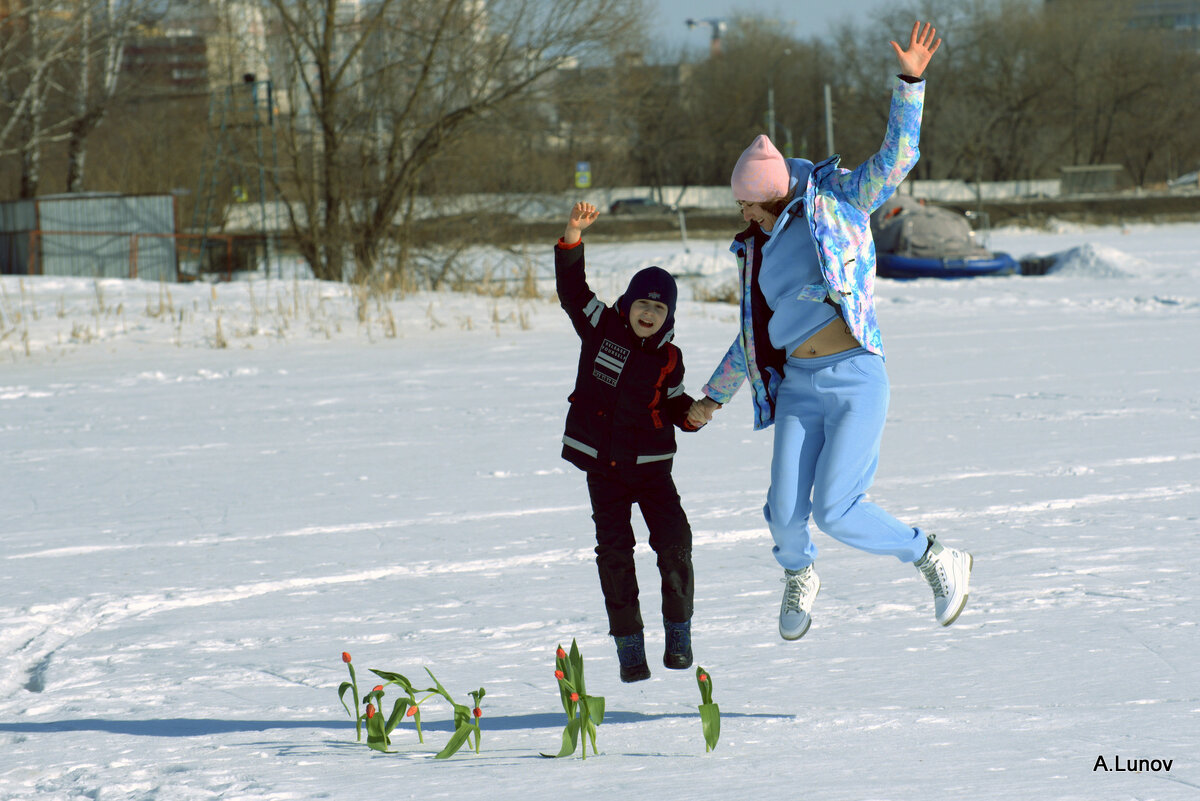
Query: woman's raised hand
<point>915,59</point>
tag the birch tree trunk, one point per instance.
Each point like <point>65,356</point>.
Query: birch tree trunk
<point>31,146</point>
<point>92,104</point>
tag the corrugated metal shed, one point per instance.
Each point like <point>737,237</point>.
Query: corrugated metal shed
<point>90,235</point>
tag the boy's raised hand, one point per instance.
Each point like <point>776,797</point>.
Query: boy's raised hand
<point>582,215</point>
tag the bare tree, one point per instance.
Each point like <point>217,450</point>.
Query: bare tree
<point>729,97</point>
<point>50,91</point>
<point>103,33</point>
<point>1122,94</point>
<point>376,92</point>
<point>989,97</point>
<point>27,55</point>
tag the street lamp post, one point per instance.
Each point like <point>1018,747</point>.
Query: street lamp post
<point>829,120</point>
<point>787,51</point>
<point>771,107</point>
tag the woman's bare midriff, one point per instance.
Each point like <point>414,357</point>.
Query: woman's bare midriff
<point>833,338</point>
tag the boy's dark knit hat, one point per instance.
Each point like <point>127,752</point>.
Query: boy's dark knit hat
<point>652,283</point>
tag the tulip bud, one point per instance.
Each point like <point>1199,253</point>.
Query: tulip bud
<point>478,712</point>
<point>702,677</point>
<point>346,657</point>
<point>370,711</point>
<point>378,688</point>
<point>574,696</point>
<point>412,710</point>
<point>561,654</point>
<point>558,674</point>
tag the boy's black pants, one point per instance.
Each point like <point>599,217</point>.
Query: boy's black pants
<point>613,493</point>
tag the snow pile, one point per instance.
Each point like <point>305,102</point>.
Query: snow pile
<point>1096,261</point>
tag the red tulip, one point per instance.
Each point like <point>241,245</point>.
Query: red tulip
<point>378,688</point>
<point>558,674</point>
<point>370,711</point>
<point>702,677</point>
<point>346,657</point>
<point>574,696</point>
<point>412,710</point>
<point>478,712</point>
<point>561,654</point>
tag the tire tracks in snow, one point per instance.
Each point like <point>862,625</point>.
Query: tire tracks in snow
<point>306,531</point>
<point>31,637</point>
<point>1060,504</point>
<point>1055,471</point>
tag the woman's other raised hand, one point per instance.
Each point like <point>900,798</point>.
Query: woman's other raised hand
<point>921,47</point>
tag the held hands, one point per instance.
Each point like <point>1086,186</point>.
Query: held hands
<point>914,60</point>
<point>582,215</point>
<point>702,411</point>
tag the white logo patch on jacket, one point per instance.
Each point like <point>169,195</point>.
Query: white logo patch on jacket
<point>610,361</point>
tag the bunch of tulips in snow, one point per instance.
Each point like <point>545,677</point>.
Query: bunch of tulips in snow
<point>584,711</point>
<point>379,730</point>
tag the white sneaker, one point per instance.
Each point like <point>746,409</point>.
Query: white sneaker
<point>799,591</point>
<point>948,571</point>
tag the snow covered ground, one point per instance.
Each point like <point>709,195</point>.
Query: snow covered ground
<point>210,492</point>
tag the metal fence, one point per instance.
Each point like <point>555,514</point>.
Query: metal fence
<point>114,254</point>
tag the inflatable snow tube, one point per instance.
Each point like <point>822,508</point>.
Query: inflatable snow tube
<point>889,265</point>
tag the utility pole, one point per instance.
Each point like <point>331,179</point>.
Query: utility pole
<point>829,120</point>
<point>770,108</point>
<point>787,51</point>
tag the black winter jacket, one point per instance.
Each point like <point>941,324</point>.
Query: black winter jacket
<point>628,390</point>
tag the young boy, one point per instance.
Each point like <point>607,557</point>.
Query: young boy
<point>628,393</point>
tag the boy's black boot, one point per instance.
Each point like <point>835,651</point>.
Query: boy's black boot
<point>678,655</point>
<point>631,653</point>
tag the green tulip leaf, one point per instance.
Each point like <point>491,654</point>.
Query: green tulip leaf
<point>417,721</point>
<point>456,742</point>
<point>341,697</point>
<point>398,710</point>
<point>462,715</point>
<point>439,689</point>
<point>576,674</point>
<point>591,730</point>
<point>595,707</point>
<point>710,722</point>
<point>345,686</point>
<point>570,740</point>
<point>565,688</point>
<point>395,678</point>
<point>376,736</point>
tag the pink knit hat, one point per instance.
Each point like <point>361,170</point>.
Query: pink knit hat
<point>760,173</point>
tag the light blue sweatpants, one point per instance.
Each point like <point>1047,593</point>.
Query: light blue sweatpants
<point>829,418</point>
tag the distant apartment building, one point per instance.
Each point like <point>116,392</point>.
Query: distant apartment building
<point>174,64</point>
<point>1181,18</point>
<point>234,33</point>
